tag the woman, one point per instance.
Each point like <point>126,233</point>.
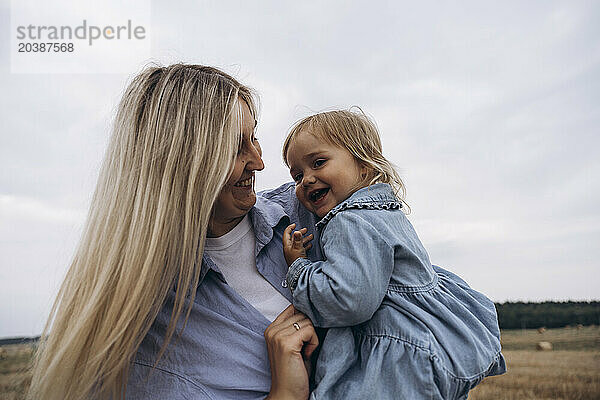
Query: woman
<point>144,311</point>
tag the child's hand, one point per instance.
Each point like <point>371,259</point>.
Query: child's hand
<point>295,244</point>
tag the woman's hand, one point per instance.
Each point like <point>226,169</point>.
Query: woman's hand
<point>291,339</point>
<point>295,244</point>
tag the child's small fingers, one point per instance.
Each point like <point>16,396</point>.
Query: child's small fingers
<point>289,229</point>
<point>287,235</point>
<point>307,239</point>
<point>308,246</point>
<point>297,241</point>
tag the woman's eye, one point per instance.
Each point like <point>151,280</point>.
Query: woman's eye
<point>319,162</point>
<point>243,143</point>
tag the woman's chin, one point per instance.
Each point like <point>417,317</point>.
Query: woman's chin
<point>245,201</point>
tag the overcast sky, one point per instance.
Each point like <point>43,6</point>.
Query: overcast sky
<point>490,111</point>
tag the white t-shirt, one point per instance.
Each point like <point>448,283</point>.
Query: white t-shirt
<point>234,255</point>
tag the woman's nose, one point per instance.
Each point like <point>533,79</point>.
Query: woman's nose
<point>255,162</point>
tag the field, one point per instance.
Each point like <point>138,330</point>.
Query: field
<point>14,377</point>
<point>570,371</point>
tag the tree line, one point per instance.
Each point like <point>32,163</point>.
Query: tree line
<point>511,315</point>
<point>549,314</point>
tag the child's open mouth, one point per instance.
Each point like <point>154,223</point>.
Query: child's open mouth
<point>317,195</point>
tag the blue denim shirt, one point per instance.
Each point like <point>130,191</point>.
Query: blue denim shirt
<point>400,327</point>
<point>221,353</point>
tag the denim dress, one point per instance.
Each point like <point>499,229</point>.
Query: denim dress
<point>400,328</point>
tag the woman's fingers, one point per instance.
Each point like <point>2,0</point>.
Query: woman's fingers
<point>308,336</point>
<point>285,343</point>
<point>290,322</point>
<point>291,339</point>
<point>285,321</point>
<point>310,339</point>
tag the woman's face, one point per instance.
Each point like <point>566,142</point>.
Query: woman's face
<point>237,196</point>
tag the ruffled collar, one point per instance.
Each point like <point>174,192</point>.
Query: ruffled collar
<point>379,196</point>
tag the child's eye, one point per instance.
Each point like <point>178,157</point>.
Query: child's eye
<point>319,162</point>
<point>297,178</point>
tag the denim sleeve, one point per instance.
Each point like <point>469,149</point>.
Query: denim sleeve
<point>347,288</point>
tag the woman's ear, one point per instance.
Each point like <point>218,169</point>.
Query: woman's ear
<point>364,171</point>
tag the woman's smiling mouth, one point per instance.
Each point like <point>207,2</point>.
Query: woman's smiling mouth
<point>245,182</point>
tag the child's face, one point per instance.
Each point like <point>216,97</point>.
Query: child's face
<point>325,174</point>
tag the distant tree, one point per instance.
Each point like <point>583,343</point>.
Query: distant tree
<point>550,314</point>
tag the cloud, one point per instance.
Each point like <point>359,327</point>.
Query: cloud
<point>489,110</point>
<point>37,241</point>
<point>20,208</point>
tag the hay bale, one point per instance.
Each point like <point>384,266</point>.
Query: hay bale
<point>541,330</point>
<point>2,353</point>
<point>543,346</point>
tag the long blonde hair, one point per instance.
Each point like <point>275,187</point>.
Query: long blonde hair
<point>174,140</point>
<point>356,133</point>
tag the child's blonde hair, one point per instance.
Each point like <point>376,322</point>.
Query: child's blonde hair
<point>356,133</point>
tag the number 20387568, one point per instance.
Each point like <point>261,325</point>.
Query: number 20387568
<point>45,47</point>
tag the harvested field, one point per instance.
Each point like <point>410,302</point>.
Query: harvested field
<point>570,371</point>
<point>14,375</point>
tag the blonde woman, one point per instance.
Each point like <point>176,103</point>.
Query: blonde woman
<point>177,288</point>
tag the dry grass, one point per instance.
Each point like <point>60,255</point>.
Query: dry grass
<point>570,371</point>
<point>14,374</point>
<point>586,338</point>
<point>544,375</point>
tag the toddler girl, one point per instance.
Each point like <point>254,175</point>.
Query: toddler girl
<point>400,328</point>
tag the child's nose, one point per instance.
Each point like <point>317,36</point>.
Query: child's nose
<point>308,180</point>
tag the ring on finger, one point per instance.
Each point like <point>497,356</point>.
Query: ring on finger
<point>296,325</point>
